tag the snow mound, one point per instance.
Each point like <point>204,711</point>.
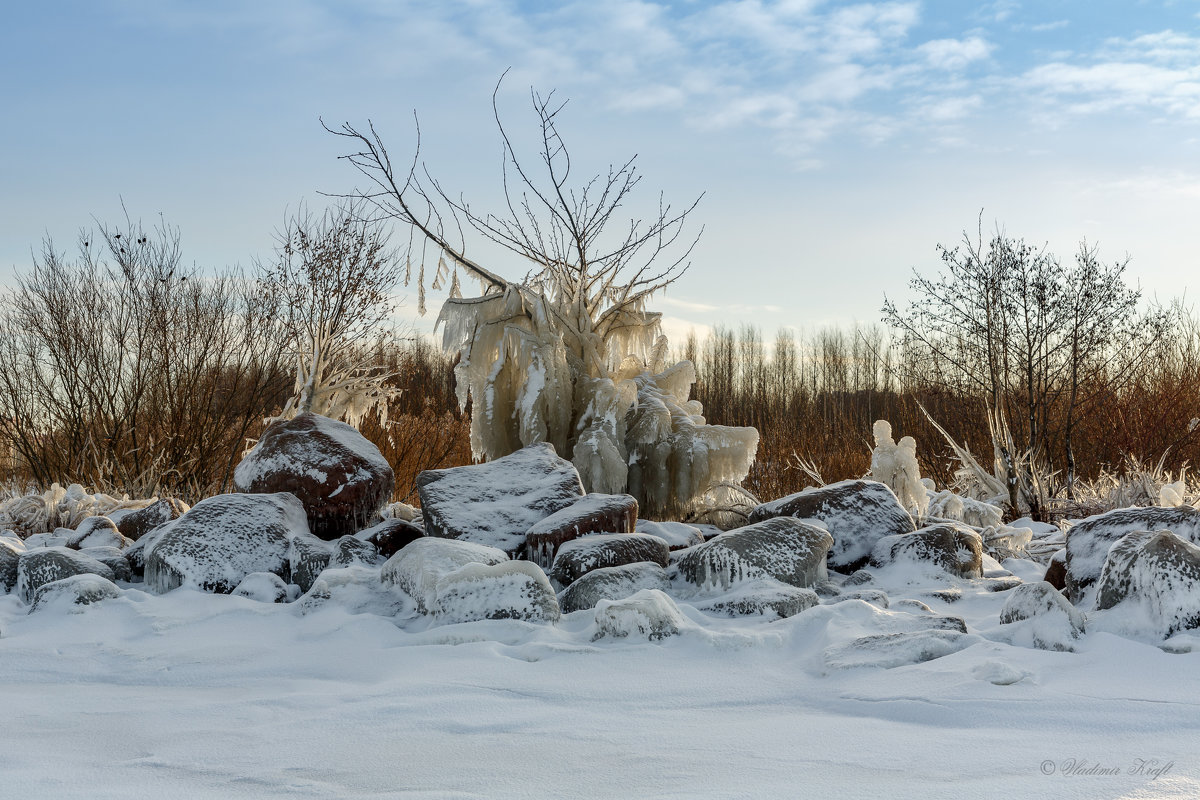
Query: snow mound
<point>97,532</point>
<point>223,539</point>
<point>764,598</point>
<point>876,597</point>
<point>946,505</point>
<point>612,583</point>
<point>592,513</point>
<point>1088,541</point>
<point>580,556</point>
<point>496,503</point>
<point>890,650</point>
<point>856,513</point>
<point>355,590</point>
<point>677,535</point>
<point>1042,617</point>
<point>783,548</point>
<point>341,478</point>
<point>74,591</point>
<point>45,565</point>
<point>265,587</point>
<point>1153,580</point>
<point>507,590</point>
<point>649,614</point>
<point>419,567</point>
<point>955,549</point>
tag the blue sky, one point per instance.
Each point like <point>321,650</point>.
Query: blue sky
<point>837,143</point>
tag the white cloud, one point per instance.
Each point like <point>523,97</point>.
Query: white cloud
<point>954,54</point>
<point>1114,85</point>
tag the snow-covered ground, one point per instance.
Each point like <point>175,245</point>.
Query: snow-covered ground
<point>195,695</point>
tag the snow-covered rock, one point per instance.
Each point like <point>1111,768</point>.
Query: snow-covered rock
<point>761,598</point>
<point>350,550</point>
<point>35,568</point>
<point>955,549</point>
<point>856,513</point>
<point>507,590</point>
<point>946,505</point>
<point>1154,578</point>
<point>1046,619</point>
<point>10,554</point>
<point>74,591</point>
<point>308,557</point>
<point>48,539</point>
<point>592,513</point>
<point>782,548</point>
<point>876,597</point>
<point>677,535</point>
<point>114,559</point>
<point>1089,540</point>
<point>391,535</point>
<point>223,539</point>
<point>1056,570</point>
<point>136,524</point>
<point>97,532</point>
<point>419,567</point>
<point>341,478</point>
<point>648,614</point>
<point>889,650</point>
<point>1006,541</point>
<point>580,556</point>
<point>612,583</point>
<point>356,590</point>
<point>496,503</point>
<point>265,587</point>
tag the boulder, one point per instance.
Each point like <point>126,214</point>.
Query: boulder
<point>889,650</point>
<point>1089,540</point>
<point>1046,618</point>
<point>341,478</point>
<point>97,532</point>
<point>114,559</point>
<point>782,548</point>
<point>1156,576</point>
<point>48,539</point>
<point>592,513</point>
<point>495,503</point>
<point>308,557</point>
<point>876,597</point>
<point>856,513</point>
<point>677,535</point>
<point>580,556</point>
<point>73,591</point>
<point>265,587</point>
<point>10,555</point>
<point>1056,570</point>
<point>762,598</point>
<point>612,583</point>
<point>223,539</point>
<point>38,567</point>
<point>506,590</point>
<point>391,535</point>
<point>350,550</point>
<point>355,590</point>
<point>136,524</point>
<point>953,548</point>
<point>419,567</point>
<point>648,614</point>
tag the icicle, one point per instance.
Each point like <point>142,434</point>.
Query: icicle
<point>455,289</point>
<point>440,274</point>
<point>407,270</point>
<point>421,291</point>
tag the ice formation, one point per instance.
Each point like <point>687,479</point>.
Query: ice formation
<point>896,466</point>
<point>58,507</point>
<point>593,383</point>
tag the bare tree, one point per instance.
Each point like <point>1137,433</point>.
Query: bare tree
<point>569,354</point>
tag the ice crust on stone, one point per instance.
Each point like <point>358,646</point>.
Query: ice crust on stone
<point>856,513</point>
<point>677,535</point>
<point>1151,581</point>
<point>506,590</point>
<point>497,502</point>
<point>782,548</point>
<point>1042,618</point>
<point>420,566</point>
<point>953,548</point>
<point>649,614</point>
<point>948,505</point>
<point>891,650</point>
<point>36,568</point>
<point>113,558</point>
<point>592,513</point>
<point>766,598</point>
<point>73,592</point>
<point>612,583</point>
<point>580,556</point>
<point>223,539</point>
<point>265,587</point>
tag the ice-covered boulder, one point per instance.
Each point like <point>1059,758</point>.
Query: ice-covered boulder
<point>1047,620</point>
<point>612,583</point>
<point>856,513</point>
<point>955,549</point>
<point>391,535</point>
<point>341,478</point>
<point>648,614</point>
<point>592,513</point>
<point>357,590</point>
<point>876,597</point>
<point>114,559</point>
<point>496,503</point>
<point>1089,540</point>
<point>1006,541</point>
<point>782,548</point>
<point>308,557</point>
<point>580,556</point>
<point>1056,570</point>
<point>48,539</point>
<point>761,598</point>
<point>265,587</point>
<point>1155,577</point>
<point>74,591</point>
<point>677,535</point>
<point>946,505</point>
<point>223,539</point>
<point>136,524</point>
<point>35,568</point>
<point>10,554</point>
<point>889,650</point>
<point>507,590</point>
<point>350,550</point>
<point>418,568</point>
<point>97,532</point>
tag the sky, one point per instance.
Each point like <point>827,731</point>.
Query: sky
<point>835,144</point>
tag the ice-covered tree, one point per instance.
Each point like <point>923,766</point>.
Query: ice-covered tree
<point>569,354</point>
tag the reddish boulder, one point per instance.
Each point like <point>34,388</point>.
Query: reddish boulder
<point>592,513</point>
